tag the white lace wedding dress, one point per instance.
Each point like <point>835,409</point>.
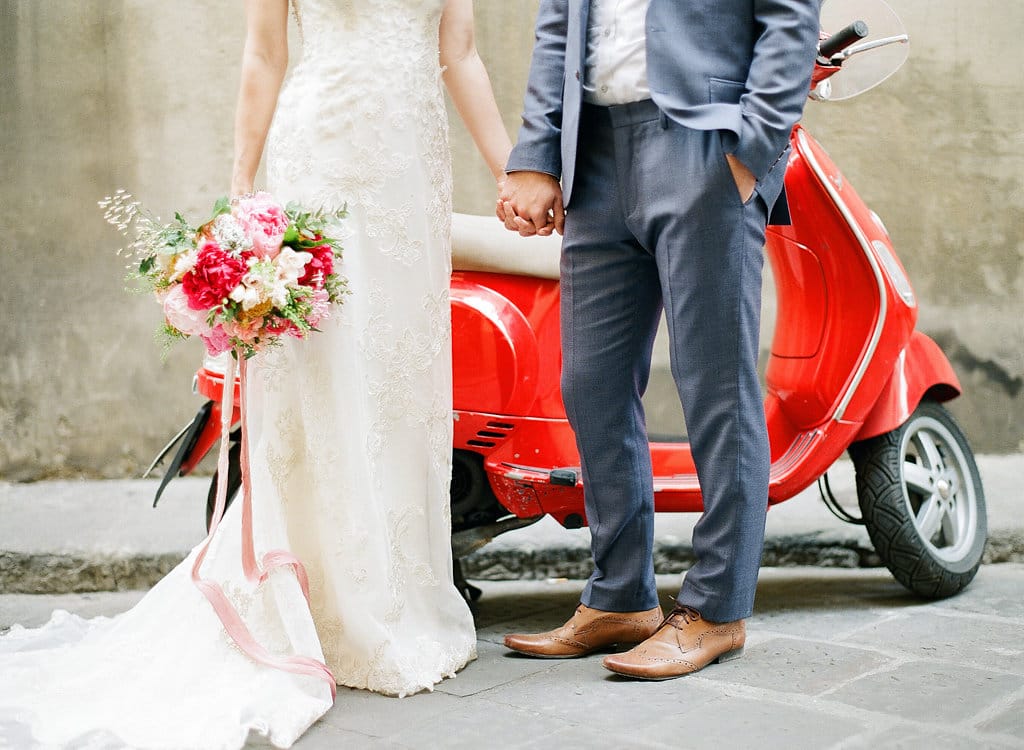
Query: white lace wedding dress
<point>350,434</point>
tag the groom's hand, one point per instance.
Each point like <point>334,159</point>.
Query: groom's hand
<point>531,203</point>
<point>745,180</point>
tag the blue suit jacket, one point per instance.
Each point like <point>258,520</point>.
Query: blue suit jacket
<point>739,66</point>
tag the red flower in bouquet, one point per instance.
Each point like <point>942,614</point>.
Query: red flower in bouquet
<point>215,274</point>
<point>281,326</point>
<point>319,268</point>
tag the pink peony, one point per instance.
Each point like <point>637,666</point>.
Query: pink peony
<point>217,341</point>
<point>321,302</point>
<point>244,330</point>
<point>264,222</point>
<point>215,275</point>
<point>180,314</point>
<point>319,268</point>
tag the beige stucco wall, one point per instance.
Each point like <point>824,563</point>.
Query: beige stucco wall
<point>97,94</point>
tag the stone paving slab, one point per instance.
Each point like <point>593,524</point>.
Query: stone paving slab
<point>836,659</point>
<point>66,536</point>
<point>929,692</point>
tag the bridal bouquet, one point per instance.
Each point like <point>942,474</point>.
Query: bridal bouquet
<point>255,271</point>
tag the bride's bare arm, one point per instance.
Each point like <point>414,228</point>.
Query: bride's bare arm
<point>264,63</point>
<point>470,87</point>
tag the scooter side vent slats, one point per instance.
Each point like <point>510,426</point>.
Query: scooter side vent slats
<point>495,432</point>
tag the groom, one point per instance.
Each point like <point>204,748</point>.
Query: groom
<point>668,122</point>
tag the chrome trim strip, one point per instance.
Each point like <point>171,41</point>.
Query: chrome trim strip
<point>532,469</point>
<point>678,483</point>
<point>794,455</point>
<point>869,253</point>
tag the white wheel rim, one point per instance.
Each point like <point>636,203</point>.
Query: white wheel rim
<point>938,489</point>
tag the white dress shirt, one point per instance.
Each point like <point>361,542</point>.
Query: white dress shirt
<point>616,56</point>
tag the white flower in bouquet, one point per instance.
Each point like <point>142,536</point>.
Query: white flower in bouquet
<point>291,265</point>
<point>230,234</point>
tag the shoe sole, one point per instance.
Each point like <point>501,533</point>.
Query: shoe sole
<point>610,648</point>
<point>736,653</point>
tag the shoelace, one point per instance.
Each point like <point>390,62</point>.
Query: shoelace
<point>689,614</point>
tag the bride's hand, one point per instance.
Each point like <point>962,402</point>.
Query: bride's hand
<point>499,210</point>
<point>239,189</point>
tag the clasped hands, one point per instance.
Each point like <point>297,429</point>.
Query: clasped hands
<point>530,203</point>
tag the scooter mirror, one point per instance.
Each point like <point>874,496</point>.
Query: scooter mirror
<point>871,60</point>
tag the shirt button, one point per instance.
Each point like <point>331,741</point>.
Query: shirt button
<point>604,89</point>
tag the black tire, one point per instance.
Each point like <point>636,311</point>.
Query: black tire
<point>234,482</point>
<point>923,504</point>
<point>473,501</point>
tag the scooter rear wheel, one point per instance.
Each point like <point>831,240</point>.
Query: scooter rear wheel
<point>923,503</point>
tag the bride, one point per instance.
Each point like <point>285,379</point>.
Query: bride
<point>349,430</point>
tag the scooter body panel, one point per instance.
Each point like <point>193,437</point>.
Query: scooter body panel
<point>506,358</point>
<point>841,324</point>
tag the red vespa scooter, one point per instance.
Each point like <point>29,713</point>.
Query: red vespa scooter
<point>847,372</point>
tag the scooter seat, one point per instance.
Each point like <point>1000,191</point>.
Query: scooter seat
<point>481,243</point>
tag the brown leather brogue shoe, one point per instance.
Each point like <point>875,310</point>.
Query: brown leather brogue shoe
<point>684,643</point>
<point>588,630</point>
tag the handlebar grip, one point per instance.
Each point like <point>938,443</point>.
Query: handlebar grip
<point>843,39</point>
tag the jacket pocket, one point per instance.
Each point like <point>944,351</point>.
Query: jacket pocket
<point>724,91</point>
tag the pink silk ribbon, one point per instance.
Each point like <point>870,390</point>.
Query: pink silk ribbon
<point>226,612</point>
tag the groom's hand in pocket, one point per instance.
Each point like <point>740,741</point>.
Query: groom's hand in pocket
<point>745,180</point>
<point>531,203</point>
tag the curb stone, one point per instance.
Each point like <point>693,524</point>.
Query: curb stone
<point>22,573</point>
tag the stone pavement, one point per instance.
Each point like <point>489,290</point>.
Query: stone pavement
<point>68,536</point>
<point>838,659</point>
